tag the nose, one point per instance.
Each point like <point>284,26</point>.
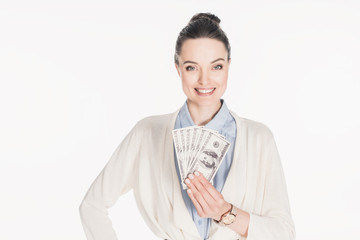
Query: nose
<point>203,78</point>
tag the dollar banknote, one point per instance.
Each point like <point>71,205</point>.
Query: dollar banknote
<point>199,149</point>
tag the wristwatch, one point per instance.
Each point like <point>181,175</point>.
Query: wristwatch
<point>228,217</point>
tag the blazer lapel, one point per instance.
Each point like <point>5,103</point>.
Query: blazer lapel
<point>181,216</point>
<point>235,185</point>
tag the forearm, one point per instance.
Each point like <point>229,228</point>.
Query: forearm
<point>96,222</point>
<point>115,179</point>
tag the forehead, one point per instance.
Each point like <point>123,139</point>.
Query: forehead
<point>202,49</point>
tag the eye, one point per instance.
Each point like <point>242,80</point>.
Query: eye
<point>190,68</point>
<point>218,67</point>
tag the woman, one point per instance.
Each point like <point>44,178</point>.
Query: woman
<point>248,198</point>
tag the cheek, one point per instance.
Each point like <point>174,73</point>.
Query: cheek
<point>186,85</point>
<point>222,80</point>
<point>220,77</point>
<point>184,82</point>
<point>187,80</point>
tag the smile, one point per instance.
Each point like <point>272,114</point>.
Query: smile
<point>205,91</point>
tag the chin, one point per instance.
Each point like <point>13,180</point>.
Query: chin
<point>207,101</point>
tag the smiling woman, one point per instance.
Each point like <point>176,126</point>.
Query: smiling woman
<point>204,72</point>
<point>247,198</point>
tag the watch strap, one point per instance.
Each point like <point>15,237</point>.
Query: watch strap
<point>225,214</point>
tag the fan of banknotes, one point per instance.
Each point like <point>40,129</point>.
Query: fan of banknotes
<point>199,149</point>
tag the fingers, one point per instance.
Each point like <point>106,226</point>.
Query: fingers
<point>198,207</point>
<point>200,192</point>
<point>199,187</point>
<point>209,187</point>
<point>197,197</point>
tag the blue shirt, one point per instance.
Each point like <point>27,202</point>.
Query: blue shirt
<point>225,124</point>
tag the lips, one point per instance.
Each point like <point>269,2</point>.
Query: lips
<point>204,91</point>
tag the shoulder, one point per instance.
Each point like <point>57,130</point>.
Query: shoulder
<point>156,122</point>
<point>156,119</point>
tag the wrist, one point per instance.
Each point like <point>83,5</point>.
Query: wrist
<point>226,209</point>
<point>227,217</point>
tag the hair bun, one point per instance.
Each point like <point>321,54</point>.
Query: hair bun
<point>209,16</point>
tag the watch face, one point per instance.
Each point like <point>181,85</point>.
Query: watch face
<point>229,219</point>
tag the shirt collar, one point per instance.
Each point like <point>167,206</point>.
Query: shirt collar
<point>216,123</point>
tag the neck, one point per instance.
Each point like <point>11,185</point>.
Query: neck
<point>201,115</point>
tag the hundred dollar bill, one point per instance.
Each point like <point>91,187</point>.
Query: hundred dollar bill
<point>182,142</point>
<point>195,136</point>
<point>198,148</point>
<point>210,155</point>
<point>179,155</point>
<point>187,133</point>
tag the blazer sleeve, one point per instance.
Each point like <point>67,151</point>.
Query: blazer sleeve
<point>116,178</point>
<point>275,221</point>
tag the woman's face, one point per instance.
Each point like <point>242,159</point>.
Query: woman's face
<point>203,69</point>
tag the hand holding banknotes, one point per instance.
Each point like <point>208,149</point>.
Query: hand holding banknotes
<point>208,201</point>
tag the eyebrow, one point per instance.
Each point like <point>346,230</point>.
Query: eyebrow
<point>211,62</point>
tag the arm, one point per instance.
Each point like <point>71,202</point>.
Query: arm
<point>274,220</point>
<point>116,178</point>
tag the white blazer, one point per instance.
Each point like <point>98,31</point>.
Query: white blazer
<point>144,162</point>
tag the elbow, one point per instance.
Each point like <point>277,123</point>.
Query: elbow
<point>262,227</point>
<point>82,208</point>
<point>292,234</point>
<point>85,209</point>
<point>89,209</point>
<point>289,229</point>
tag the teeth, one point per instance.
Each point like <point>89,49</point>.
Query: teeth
<point>205,90</point>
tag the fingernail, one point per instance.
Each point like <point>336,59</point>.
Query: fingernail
<point>187,181</point>
<point>189,190</point>
<point>197,173</point>
<point>191,176</point>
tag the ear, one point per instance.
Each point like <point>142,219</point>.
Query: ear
<point>177,69</point>
<point>229,61</point>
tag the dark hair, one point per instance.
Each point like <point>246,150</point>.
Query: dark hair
<point>201,25</point>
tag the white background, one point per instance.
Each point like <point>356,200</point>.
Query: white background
<point>77,75</point>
